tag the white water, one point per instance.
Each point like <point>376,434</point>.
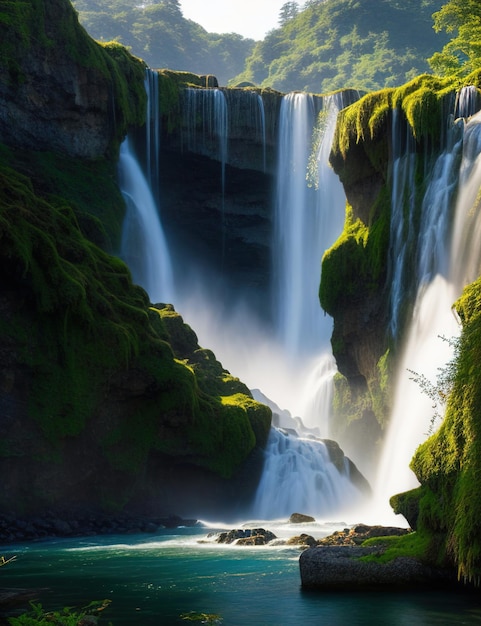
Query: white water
<point>297,249</point>
<point>152,127</point>
<point>299,476</point>
<point>402,200</point>
<point>144,247</point>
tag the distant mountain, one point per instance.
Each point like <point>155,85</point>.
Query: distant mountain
<point>158,33</point>
<point>334,44</point>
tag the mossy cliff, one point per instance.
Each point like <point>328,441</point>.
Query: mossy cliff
<point>355,282</point>
<point>104,398</point>
<point>59,89</point>
<point>355,290</point>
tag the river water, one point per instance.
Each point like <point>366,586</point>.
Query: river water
<point>154,579</point>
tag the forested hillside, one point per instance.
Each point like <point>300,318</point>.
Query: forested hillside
<point>158,33</point>
<point>334,44</point>
<point>321,46</point>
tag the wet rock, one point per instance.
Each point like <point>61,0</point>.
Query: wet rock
<point>302,540</point>
<point>247,537</point>
<point>356,535</point>
<point>78,524</point>
<point>300,518</point>
<point>340,567</point>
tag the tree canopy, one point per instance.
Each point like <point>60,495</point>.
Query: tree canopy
<point>157,32</point>
<point>335,44</point>
<point>462,54</point>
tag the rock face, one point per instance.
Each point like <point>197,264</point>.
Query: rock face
<point>58,91</point>
<point>106,402</point>
<point>339,568</point>
<point>217,203</point>
<point>247,537</point>
<point>300,518</point>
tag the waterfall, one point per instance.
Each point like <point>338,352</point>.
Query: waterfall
<point>205,124</point>
<point>298,473</point>
<point>465,249</point>
<point>296,247</point>
<point>441,271</point>
<point>467,102</point>
<point>300,476</point>
<point>247,122</point>
<point>144,247</point>
<point>152,126</point>
<point>402,201</point>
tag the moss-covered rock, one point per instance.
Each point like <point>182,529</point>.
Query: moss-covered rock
<point>448,463</point>
<point>61,90</point>
<point>88,370</point>
<point>354,286</point>
<point>102,395</point>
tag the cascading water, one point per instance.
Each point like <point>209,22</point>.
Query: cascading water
<point>144,247</point>
<point>246,120</point>
<point>439,282</point>
<point>465,250</point>
<point>402,200</point>
<point>205,122</point>
<point>299,476</point>
<point>152,126</point>
<point>325,220</point>
<point>296,248</point>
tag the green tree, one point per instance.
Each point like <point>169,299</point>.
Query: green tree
<point>335,44</point>
<point>462,54</point>
<point>288,11</point>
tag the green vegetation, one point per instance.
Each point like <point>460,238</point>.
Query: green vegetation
<point>84,324</point>
<point>336,44</point>
<point>415,545</point>
<point>157,32</point>
<point>28,25</point>
<point>68,616</point>
<point>462,53</point>
<point>204,618</point>
<point>447,464</point>
<point>354,269</point>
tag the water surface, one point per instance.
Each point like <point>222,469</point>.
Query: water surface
<point>154,579</point>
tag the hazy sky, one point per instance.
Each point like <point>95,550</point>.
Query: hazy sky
<point>250,18</point>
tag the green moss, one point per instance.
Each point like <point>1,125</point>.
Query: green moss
<point>83,324</point>
<point>79,294</point>
<point>422,101</point>
<point>228,423</point>
<point>415,545</point>
<point>447,464</point>
<point>361,121</point>
<point>89,186</point>
<point>53,26</point>
<point>353,266</point>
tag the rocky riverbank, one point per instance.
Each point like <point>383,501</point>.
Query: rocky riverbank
<point>340,562</point>
<point>15,529</point>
